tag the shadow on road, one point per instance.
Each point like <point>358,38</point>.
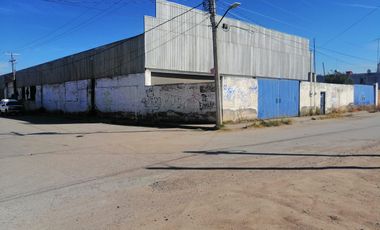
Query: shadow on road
<point>263,168</point>
<point>280,154</point>
<point>51,119</point>
<point>268,168</point>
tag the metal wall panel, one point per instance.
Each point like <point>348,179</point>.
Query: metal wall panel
<point>268,98</point>
<point>278,98</point>
<point>185,44</point>
<point>118,58</point>
<point>289,94</point>
<point>364,95</point>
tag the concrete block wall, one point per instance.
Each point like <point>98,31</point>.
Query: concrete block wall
<point>240,98</point>
<point>337,96</point>
<point>121,94</point>
<point>129,95</point>
<point>70,97</point>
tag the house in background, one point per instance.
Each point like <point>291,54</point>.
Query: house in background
<point>368,78</point>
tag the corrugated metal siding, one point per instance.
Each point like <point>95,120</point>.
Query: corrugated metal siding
<point>119,58</point>
<point>246,50</point>
<point>278,98</point>
<point>289,98</point>
<point>364,95</point>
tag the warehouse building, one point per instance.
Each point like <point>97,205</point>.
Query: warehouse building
<point>166,72</point>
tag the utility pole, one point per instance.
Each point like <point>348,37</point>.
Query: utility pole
<point>12,60</point>
<point>211,5</point>
<point>212,9</point>
<point>314,75</point>
<point>324,70</point>
<point>378,56</point>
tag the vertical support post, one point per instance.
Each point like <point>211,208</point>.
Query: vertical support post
<point>92,90</point>
<point>376,88</point>
<point>13,62</point>
<point>42,96</point>
<point>314,76</point>
<point>219,122</point>
<point>311,81</point>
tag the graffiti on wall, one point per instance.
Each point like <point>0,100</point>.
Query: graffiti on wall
<point>205,103</point>
<point>240,94</point>
<point>151,101</point>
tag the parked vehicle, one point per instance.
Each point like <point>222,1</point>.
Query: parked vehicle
<point>8,106</point>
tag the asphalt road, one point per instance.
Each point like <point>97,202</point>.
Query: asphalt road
<point>57,173</point>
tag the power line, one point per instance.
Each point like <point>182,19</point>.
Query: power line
<point>335,58</point>
<point>351,26</point>
<point>80,25</point>
<point>269,17</point>
<point>345,54</point>
<point>72,4</point>
<point>51,32</point>
<point>162,44</point>
<point>283,10</point>
<point>118,43</point>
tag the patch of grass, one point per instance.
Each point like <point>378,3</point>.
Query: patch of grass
<point>333,115</point>
<point>368,108</point>
<point>270,123</point>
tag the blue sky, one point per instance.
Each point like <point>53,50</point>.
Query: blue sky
<point>43,30</point>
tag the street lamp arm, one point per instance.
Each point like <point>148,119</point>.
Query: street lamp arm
<point>233,6</point>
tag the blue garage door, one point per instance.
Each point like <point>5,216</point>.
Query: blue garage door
<point>268,98</point>
<point>364,95</point>
<point>278,98</point>
<point>289,98</point>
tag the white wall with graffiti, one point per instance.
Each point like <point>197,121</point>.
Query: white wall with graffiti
<point>240,98</point>
<point>337,96</point>
<point>129,95</point>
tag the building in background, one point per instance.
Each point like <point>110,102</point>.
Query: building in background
<point>166,73</point>
<point>368,78</point>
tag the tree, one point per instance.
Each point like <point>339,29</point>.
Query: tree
<point>338,78</point>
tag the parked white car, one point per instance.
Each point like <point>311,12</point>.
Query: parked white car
<point>10,106</point>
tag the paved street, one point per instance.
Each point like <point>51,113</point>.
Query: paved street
<point>57,173</point>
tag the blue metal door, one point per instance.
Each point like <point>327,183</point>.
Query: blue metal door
<point>268,98</point>
<point>364,95</point>
<point>278,98</point>
<point>289,97</point>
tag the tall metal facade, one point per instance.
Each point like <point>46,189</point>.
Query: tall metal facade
<point>185,44</point>
<point>182,46</point>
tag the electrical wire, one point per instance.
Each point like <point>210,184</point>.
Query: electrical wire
<point>268,17</point>
<point>351,26</point>
<point>345,54</point>
<point>99,51</point>
<point>88,21</point>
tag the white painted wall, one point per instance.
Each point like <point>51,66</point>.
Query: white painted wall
<point>240,98</point>
<point>67,97</point>
<point>338,96</point>
<point>120,94</point>
<point>129,94</point>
